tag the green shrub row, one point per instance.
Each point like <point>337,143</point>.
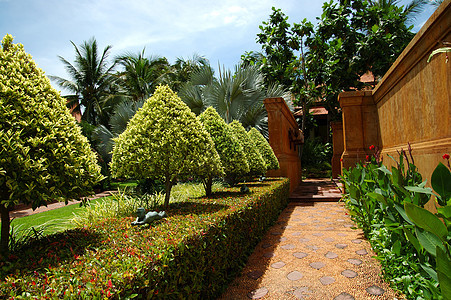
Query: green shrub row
<point>193,253</point>
<point>412,244</point>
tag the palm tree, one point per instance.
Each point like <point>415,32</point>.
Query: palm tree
<point>182,70</point>
<point>235,96</point>
<point>411,10</point>
<point>91,82</point>
<point>141,75</point>
<point>436,3</point>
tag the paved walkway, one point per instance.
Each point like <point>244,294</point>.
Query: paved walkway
<point>312,252</point>
<point>23,211</point>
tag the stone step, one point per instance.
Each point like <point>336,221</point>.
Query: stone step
<point>313,190</point>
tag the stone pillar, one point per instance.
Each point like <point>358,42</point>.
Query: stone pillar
<point>360,126</point>
<point>338,147</point>
<point>284,138</point>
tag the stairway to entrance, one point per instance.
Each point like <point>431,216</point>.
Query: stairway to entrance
<point>317,190</point>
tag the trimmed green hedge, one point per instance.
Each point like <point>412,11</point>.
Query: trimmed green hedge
<point>194,253</point>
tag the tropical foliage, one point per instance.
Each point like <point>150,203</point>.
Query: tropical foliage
<point>164,140</point>
<point>235,96</point>
<point>413,244</point>
<point>91,82</point>
<point>141,75</point>
<point>44,156</point>
<point>255,161</point>
<point>104,135</point>
<point>226,144</point>
<point>264,148</point>
<point>350,39</point>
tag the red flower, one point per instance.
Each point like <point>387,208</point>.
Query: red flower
<point>341,159</point>
<point>372,147</point>
<point>110,284</point>
<point>367,157</point>
<point>445,156</point>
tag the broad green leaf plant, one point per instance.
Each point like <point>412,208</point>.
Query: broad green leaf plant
<point>43,154</point>
<point>413,244</point>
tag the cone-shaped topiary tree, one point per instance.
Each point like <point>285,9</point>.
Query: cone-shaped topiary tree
<point>43,155</point>
<point>253,156</point>
<point>264,148</point>
<point>229,149</point>
<point>164,140</point>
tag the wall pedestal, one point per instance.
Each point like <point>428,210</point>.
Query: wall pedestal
<point>338,148</point>
<point>284,138</point>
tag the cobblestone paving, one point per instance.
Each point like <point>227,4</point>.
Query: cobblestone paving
<point>313,252</point>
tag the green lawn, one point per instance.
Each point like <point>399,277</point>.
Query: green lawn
<point>50,221</point>
<point>57,220</point>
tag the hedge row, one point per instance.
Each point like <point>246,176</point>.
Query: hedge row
<point>193,253</point>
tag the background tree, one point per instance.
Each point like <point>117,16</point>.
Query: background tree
<point>43,154</point>
<point>278,44</point>
<point>91,82</point>
<point>351,38</point>
<point>229,149</point>
<point>264,148</point>
<point>235,96</point>
<point>254,159</point>
<point>182,70</point>
<point>163,140</point>
<point>104,136</point>
<point>141,75</point>
<point>282,63</point>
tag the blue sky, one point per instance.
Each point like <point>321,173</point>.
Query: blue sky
<point>219,30</point>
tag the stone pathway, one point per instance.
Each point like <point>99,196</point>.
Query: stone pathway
<point>312,253</point>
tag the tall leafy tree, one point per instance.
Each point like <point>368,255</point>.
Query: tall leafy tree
<point>91,82</point>
<point>278,45</point>
<point>43,154</point>
<point>282,60</point>
<point>351,38</point>
<point>141,75</point>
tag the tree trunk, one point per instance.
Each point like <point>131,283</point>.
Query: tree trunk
<point>168,187</point>
<point>4,242</point>
<point>208,185</point>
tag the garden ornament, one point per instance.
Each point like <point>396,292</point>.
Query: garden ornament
<point>244,189</point>
<point>148,218</point>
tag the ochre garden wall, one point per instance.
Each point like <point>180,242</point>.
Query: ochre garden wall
<point>284,138</point>
<point>411,104</point>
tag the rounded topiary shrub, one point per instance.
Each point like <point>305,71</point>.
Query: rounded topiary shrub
<point>43,154</point>
<point>229,149</point>
<point>254,159</point>
<point>264,148</point>
<point>163,140</point>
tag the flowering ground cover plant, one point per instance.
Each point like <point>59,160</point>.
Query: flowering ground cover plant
<point>194,252</point>
<point>413,244</point>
